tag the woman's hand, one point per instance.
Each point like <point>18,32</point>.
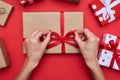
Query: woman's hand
<point>88,44</point>
<point>35,46</point>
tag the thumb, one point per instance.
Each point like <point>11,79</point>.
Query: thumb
<point>79,41</point>
<point>47,39</point>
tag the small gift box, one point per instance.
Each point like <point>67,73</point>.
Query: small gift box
<point>62,24</point>
<point>5,10</point>
<point>106,11</point>
<point>4,61</point>
<point>109,54</point>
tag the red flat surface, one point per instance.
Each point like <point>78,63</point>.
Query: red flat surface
<point>52,67</point>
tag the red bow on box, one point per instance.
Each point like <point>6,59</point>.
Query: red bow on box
<point>112,46</point>
<point>68,38</point>
<point>57,39</point>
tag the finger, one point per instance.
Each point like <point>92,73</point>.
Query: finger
<point>90,36</point>
<point>83,38</point>
<point>26,40</point>
<point>38,35</point>
<point>80,31</point>
<point>46,32</point>
<point>47,39</point>
<point>88,33</point>
<point>43,32</point>
<point>34,33</point>
<point>81,34</point>
<point>42,38</point>
<point>79,41</point>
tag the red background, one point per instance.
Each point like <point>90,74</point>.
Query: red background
<point>52,67</point>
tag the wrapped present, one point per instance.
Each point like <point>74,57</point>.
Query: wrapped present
<point>73,1</point>
<point>4,61</point>
<point>106,11</point>
<point>109,54</point>
<point>62,24</point>
<point>27,2</point>
<point>5,11</point>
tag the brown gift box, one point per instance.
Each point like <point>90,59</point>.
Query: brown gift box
<point>4,62</point>
<point>5,10</point>
<point>51,21</point>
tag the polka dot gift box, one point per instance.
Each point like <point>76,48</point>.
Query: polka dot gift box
<point>106,11</point>
<point>109,54</point>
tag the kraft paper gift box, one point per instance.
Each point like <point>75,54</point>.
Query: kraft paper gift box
<point>106,11</point>
<point>109,54</point>
<point>4,61</point>
<point>5,11</point>
<point>43,21</point>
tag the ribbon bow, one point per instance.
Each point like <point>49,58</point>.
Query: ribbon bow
<point>107,11</point>
<point>57,39</point>
<point>112,46</point>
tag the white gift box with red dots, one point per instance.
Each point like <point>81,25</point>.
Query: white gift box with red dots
<point>105,56</point>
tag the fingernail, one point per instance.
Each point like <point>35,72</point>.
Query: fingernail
<point>75,33</point>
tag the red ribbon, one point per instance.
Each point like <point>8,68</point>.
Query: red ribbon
<point>61,39</point>
<point>112,46</point>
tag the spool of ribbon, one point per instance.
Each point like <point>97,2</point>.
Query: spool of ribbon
<point>2,11</point>
<point>112,46</point>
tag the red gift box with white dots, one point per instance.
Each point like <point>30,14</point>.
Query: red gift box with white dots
<point>106,11</point>
<point>110,56</point>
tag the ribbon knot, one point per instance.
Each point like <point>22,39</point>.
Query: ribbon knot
<point>113,47</point>
<point>62,39</point>
<point>56,39</point>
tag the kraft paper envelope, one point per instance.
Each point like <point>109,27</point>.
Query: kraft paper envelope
<point>51,21</point>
